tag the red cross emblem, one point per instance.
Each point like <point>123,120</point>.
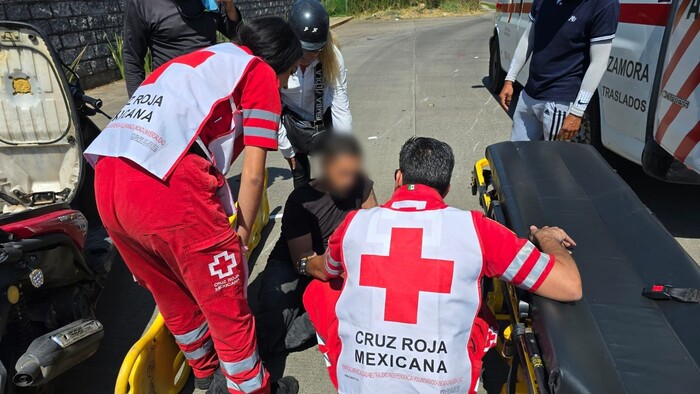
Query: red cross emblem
<point>223,265</point>
<point>192,59</point>
<point>404,273</point>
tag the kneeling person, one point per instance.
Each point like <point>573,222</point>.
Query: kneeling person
<point>405,316</point>
<point>311,215</point>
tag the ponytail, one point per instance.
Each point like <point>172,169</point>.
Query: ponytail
<point>271,39</point>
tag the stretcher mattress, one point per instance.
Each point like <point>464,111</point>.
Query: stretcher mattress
<point>614,340</point>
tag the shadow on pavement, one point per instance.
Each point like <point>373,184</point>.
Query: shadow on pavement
<point>124,308</point>
<point>516,94</point>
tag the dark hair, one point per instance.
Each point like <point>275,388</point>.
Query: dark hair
<point>336,144</point>
<point>427,161</point>
<point>271,39</point>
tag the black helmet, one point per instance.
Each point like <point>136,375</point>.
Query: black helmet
<point>311,23</point>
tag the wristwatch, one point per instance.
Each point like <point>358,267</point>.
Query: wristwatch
<point>301,266</point>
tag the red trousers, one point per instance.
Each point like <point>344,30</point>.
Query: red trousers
<point>176,240</point>
<point>320,299</point>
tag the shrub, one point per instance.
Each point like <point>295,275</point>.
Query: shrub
<point>116,48</point>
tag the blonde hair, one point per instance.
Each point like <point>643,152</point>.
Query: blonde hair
<point>329,59</point>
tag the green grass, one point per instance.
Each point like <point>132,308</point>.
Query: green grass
<point>116,48</point>
<point>76,63</point>
<point>336,7</point>
<point>457,6</point>
<point>363,6</point>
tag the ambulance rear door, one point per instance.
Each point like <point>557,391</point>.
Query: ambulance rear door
<point>512,17</point>
<point>674,123</point>
<point>625,90</point>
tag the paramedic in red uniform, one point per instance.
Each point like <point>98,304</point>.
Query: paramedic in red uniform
<point>164,199</point>
<point>404,317</point>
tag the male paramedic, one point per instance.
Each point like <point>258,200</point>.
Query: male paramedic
<point>404,317</point>
<point>162,194</point>
<point>568,43</point>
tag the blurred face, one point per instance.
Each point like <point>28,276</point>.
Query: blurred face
<point>283,78</point>
<point>309,57</point>
<point>341,174</point>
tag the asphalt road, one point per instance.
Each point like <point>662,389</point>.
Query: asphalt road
<point>423,77</point>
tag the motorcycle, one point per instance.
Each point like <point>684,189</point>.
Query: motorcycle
<point>54,253</point>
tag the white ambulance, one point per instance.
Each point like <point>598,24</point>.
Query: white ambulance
<point>647,106</point>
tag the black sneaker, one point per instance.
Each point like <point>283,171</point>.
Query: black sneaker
<point>218,383</point>
<point>286,385</point>
<point>203,383</point>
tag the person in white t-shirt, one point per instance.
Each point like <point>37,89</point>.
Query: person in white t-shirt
<point>311,23</point>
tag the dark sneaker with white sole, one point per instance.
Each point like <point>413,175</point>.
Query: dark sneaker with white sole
<point>286,385</point>
<point>203,383</point>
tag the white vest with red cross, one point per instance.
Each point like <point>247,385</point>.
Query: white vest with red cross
<point>167,112</point>
<point>410,298</point>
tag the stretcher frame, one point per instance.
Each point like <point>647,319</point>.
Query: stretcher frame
<point>517,343</point>
<point>155,364</point>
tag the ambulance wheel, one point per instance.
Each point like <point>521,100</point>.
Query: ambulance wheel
<point>496,74</point>
<point>590,125</point>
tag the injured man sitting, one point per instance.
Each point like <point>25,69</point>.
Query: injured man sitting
<point>311,214</point>
<point>397,300</point>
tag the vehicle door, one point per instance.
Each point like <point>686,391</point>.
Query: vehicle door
<point>625,90</point>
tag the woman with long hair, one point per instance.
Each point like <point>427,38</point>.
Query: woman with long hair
<point>163,197</point>
<point>316,98</point>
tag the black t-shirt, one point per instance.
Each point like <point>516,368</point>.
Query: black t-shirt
<point>309,211</point>
<point>170,28</point>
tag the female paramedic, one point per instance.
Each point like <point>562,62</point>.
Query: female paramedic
<point>163,196</point>
<point>320,79</point>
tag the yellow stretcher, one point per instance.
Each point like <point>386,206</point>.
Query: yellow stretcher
<point>501,297</point>
<point>155,364</point>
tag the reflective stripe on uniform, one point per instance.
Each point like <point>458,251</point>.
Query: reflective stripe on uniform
<point>201,352</point>
<point>517,263</point>
<point>259,132</point>
<point>332,263</point>
<point>249,385</point>
<point>261,114</point>
<point>234,368</point>
<point>536,272</point>
<point>332,266</point>
<point>333,272</point>
<point>193,336</point>
<point>404,204</point>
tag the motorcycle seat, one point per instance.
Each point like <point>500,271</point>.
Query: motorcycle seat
<point>614,340</point>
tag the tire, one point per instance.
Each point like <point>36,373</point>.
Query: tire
<point>590,126</point>
<point>496,74</point>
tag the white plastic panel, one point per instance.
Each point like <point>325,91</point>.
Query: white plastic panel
<point>39,151</point>
<point>32,106</point>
